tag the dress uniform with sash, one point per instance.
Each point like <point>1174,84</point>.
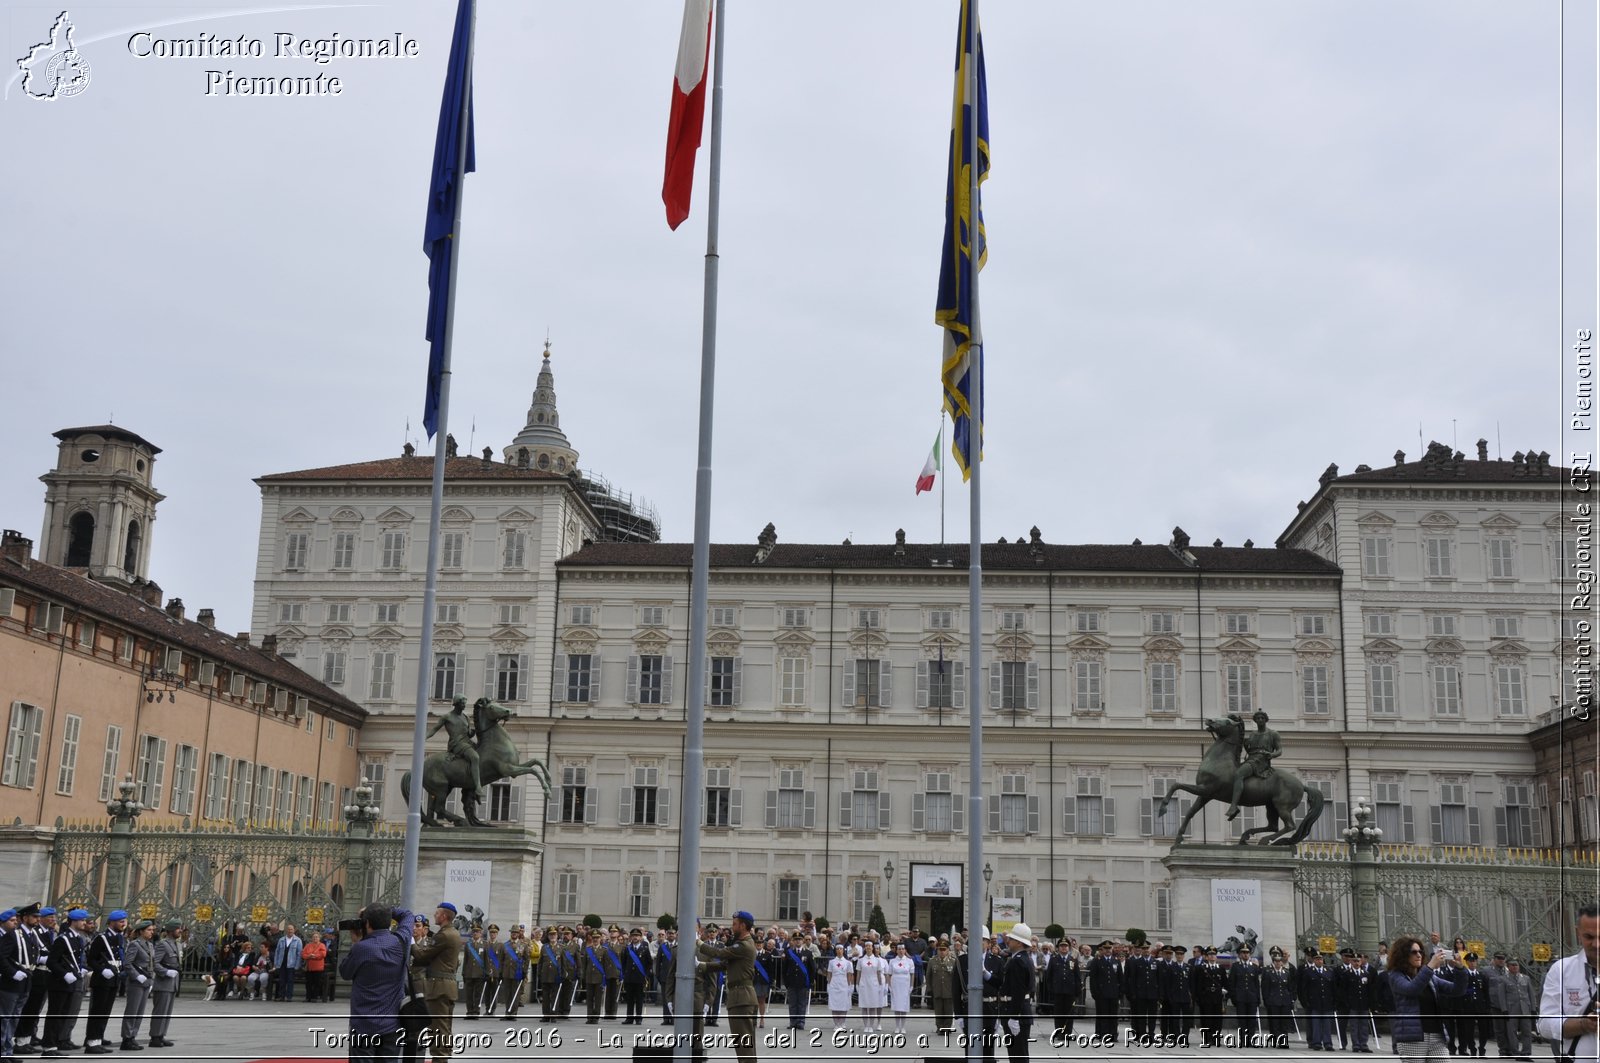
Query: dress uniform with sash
<point>514,957</point>
<point>104,961</point>
<point>552,963</point>
<point>167,957</point>
<point>414,1019</point>
<point>666,974</point>
<point>614,986</point>
<point>36,948</point>
<point>439,959</point>
<point>139,962</point>
<point>494,966</point>
<point>474,973</point>
<point>738,960</point>
<point>573,948</point>
<point>635,978</point>
<point>597,968</point>
<point>68,978</point>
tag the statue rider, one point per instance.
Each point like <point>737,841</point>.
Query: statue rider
<point>460,730</point>
<point>1260,747</point>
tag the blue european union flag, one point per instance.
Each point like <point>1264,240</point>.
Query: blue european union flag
<point>963,220</point>
<point>444,189</point>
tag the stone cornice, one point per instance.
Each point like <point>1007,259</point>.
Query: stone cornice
<point>851,579</point>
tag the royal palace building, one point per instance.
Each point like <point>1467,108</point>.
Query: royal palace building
<point>1405,634</point>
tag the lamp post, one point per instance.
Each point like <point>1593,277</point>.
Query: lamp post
<point>361,815</point>
<point>123,809</point>
<point>1364,836</point>
<point>988,898</point>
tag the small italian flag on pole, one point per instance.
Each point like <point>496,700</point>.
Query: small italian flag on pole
<point>931,467</point>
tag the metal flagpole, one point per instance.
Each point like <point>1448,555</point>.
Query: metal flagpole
<point>939,449</point>
<point>408,882</point>
<point>975,704</point>
<point>695,703</point>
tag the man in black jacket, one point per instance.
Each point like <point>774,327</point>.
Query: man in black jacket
<point>1017,984</point>
<point>796,963</point>
<point>1210,991</point>
<point>1172,978</point>
<point>1143,992</point>
<point>1277,998</point>
<point>993,966</point>
<point>1063,981</point>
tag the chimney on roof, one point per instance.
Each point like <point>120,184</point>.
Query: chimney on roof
<point>1180,539</point>
<point>1399,457</point>
<point>175,608</point>
<point>488,455</point>
<point>242,638</point>
<point>269,644</point>
<point>1138,542</point>
<point>207,619</point>
<point>16,546</point>
<point>408,450</point>
<point>449,444</point>
<point>1363,468</point>
<point>899,542</point>
<point>1483,450</point>
<point>1249,544</point>
<point>1544,461</point>
<point>150,593</point>
<point>1217,542</point>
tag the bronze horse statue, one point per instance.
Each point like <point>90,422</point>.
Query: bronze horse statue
<point>1279,793</point>
<point>497,760</point>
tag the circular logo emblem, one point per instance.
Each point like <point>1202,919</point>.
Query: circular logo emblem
<point>67,73</point>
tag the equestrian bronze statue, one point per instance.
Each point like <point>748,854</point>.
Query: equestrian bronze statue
<point>1238,769</point>
<point>480,754</point>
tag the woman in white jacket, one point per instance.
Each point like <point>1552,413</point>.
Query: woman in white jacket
<point>841,976</point>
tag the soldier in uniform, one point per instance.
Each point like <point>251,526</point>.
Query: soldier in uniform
<point>14,977</point>
<point>1210,991</point>
<point>459,731</point>
<point>596,967</point>
<point>68,976</point>
<point>439,959</point>
<point>414,1009</point>
<point>614,945</point>
<point>104,960</point>
<point>165,990</point>
<point>1244,989</point>
<point>494,965</point>
<point>32,950</point>
<point>517,955</point>
<point>738,959</point>
<point>139,960</point>
<point>635,976</point>
<point>552,961</point>
<point>572,943</point>
<point>666,973</point>
<point>474,972</point>
<point>1260,747</point>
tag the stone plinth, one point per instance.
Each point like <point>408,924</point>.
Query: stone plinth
<point>1193,869</point>
<point>512,854</point>
<point>25,863</point>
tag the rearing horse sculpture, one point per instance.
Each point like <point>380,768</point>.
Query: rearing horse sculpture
<point>497,760</point>
<point>1279,793</point>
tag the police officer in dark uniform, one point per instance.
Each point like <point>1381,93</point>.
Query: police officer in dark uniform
<point>104,961</point>
<point>1143,991</point>
<point>68,977</point>
<point>1172,979</point>
<point>1244,989</point>
<point>1017,984</point>
<point>34,948</point>
<point>993,964</point>
<point>1277,998</point>
<point>1105,986</point>
<point>1210,993</point>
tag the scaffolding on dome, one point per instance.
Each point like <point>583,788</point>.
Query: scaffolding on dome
<point>623,519</point>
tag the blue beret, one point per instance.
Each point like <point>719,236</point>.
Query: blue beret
<point>118,914</point>
<point>8,914</point>
<point>419,920</point>
<point>447,906</point>
<point>47,911</point>
<point>746,916</point>
<point>77,913</point>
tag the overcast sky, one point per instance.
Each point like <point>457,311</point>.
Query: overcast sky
<point>1229,244</point>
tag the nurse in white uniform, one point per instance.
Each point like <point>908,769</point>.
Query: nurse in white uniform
<point>902,973</point>
<point>872,987</point>
<point>841,975</point>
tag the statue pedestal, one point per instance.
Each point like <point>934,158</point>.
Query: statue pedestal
<point>1220,887</point>
<point>495,869</point>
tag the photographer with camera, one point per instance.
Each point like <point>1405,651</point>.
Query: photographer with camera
<point>1418,1030</point>
<point>1567,1006</point>
<point>375,965</point>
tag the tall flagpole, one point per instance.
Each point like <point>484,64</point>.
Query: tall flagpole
<point>694,702</point>
<point>408,887</point>
<point>939,449</point>
<point>975,703</point>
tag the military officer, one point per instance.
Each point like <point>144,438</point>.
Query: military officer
<point>1210,990</point>
<point>1105,986</point>
<point>439,959</point>
<point>139,961</point>
<point>738,958</point>
<point>516,956</point>
<point>165,991</point>
<point>635,976</point>
<point>68,976</point>
<point>1244,989</point>
<point>552,971</point>
<point>474,972</point>
<point>104,960</point>
<point>1172,976</point>
<point>596,968</point>
<point>35,947</point>
<point>666,972</point>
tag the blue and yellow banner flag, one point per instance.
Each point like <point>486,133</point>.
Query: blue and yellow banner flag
<point>957,311</point>
<point>444,189</point>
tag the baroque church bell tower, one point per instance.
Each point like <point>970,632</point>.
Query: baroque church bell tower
<point>99,504</point>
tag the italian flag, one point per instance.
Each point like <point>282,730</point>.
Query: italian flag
<point>931,467</point>
<point>688,109</point>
